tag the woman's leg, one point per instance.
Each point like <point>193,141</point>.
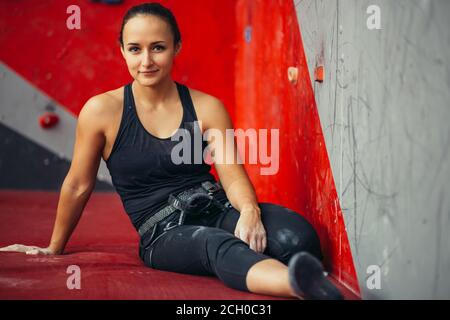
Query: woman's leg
<point>203,250</point>
<point>270,277</point>
<point>287,234</point>
<point>287,231</point>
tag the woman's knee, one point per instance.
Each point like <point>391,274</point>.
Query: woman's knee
<point>230,258</point>
<point>292,233</point>
<point>311,241</point>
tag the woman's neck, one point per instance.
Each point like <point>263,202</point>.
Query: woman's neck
<point>154,97</point>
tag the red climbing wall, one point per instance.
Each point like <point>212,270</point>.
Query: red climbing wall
<point>266,99</point>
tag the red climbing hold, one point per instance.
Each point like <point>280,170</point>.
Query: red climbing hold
<point>48,120</point>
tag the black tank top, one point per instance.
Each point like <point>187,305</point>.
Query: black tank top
<point>140,164</point>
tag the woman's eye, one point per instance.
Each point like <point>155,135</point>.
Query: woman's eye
<point>131,49</point>
<point>159,47</point>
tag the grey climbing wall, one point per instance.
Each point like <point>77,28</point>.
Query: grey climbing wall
<point>384,107</point>
<point>30,157</point>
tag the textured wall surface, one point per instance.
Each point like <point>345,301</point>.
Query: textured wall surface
<point>270,43</point>
<point>384,110</point>
<point>21,106</point>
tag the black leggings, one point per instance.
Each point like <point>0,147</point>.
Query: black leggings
<point>207,245</point>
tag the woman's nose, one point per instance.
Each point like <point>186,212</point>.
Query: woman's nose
<point>147,59</point>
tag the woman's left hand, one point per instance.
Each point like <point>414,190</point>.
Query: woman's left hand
<point>250,229</point>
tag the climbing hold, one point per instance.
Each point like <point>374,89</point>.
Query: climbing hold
<point>318,74</point>
<point>292,74</point>
<point>248,34</point>
<point>48,120</point>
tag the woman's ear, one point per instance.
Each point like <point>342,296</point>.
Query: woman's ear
<point>123,52</point>
<point>178,48</point>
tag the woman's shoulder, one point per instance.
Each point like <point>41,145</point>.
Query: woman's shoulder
<point>209,109</point>
<point>106,101</point>
<point>203,98</point>
<point>206,104</point>
<point>104,107</point>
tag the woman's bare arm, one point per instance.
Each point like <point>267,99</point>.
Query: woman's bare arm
<point>80,180</point>
<point>232,175</point>
<point>231,172</point>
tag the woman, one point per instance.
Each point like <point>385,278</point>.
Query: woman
<point>222,230</point>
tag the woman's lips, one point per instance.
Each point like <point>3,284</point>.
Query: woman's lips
<point>150,71</point>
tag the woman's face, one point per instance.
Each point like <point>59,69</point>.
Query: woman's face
<point>148,46</point>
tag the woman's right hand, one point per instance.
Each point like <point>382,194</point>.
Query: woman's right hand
<point>28,249</point>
